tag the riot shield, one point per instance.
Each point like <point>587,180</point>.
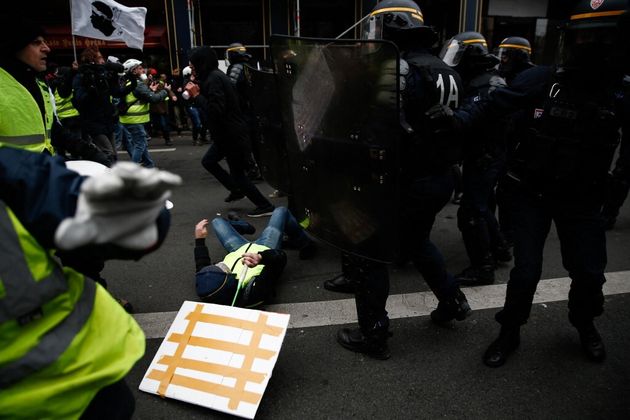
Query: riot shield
<point>339,101</point>
<point>269,141</point>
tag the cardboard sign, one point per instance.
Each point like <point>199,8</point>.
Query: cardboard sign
<point>220,357</point>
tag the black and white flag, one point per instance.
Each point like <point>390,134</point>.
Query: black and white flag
<point>109,21</point>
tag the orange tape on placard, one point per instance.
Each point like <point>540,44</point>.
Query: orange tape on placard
<point>242,375</point>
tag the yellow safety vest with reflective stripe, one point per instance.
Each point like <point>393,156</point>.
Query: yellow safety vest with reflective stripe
<point>64,106</point>
<point>62,336</point>
<point>138,112</point>
<point>232,260</point>
<point>21,123</point>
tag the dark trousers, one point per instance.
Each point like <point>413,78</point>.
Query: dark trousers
<point>475,218</point>
<point>372,290</point>
<point>425,198</point>
<point>114,402</point>
<point>582,245</point>
<point>235,180</point>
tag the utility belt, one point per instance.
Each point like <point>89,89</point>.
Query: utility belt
<point>543,160</point>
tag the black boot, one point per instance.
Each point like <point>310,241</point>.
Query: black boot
<point>340,284</point>
<point>372,344</point>
<point>498,352</point>
<point>447,310</point>
<point>592,343</point>
<point>476,276</point>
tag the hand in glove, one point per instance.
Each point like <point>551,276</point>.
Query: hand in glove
<point>442,118</point>
<point>118,207</point>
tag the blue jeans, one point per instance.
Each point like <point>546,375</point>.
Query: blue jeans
<point>193,113</point>
<point>281,221</point>
<point>138,149</point>
<point>582,246</point>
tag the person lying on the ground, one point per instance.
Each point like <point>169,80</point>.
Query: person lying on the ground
<point>247,274</point>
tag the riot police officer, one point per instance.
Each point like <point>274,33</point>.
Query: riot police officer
<point>428,183</point>
<point>560,167</point>
<point>515,53</point>
<point>484,160</point>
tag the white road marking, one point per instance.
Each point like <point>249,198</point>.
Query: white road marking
<point>168,149</point>
<point>335,312</point>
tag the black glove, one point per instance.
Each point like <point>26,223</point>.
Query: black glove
<point>442,118</point>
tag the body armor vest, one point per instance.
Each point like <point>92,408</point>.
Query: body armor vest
<point>571,140</point>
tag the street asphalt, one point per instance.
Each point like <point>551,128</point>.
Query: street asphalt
<point>433,372</point>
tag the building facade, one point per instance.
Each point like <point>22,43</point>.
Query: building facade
<point>174,27</point>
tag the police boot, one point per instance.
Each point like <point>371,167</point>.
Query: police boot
<point>456,307</point>
<point>497,353</point>
<point>372,343</point>
<point>476,276</point>
<point>341,284</point>
<point>592,343</point>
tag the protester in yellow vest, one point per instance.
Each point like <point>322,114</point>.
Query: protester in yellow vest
<point>26,112</point>
<point>246,276</point>
<point>65,343</point>
<point>137,111</point>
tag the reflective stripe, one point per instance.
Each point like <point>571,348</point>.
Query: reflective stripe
<point>22,293</point>
<point>132,114</point>
<point>597,14</point>
<point>55,342</point>
<point>23,140</point>
<point>515,46</point>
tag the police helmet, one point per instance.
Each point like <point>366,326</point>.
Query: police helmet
<point>391,19</point>
<point>468,49</point>
<point>187,71</point>
<point>590,37</point>
<point>515,54</point>
<point>236,53</point>
<point>131,64</point>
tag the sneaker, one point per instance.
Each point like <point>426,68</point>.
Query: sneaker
<point>234,196</point>
<point>592,343</point>
<point>261,211</point>
<point>454,308</point>
<point>475,276</point>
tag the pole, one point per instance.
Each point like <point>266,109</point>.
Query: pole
<point>74,43</point>
<point>353,26</point>
<point>168,35</point>
<point>175,32</point>
<point>297,17</point>
<point>191,22</point>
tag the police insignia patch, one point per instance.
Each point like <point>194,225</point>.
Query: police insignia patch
<point>596,3</point>
<point>538,112</point>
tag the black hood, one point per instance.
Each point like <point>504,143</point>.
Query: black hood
<point>204,59</point>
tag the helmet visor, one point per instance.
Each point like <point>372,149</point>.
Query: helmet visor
<point>452,52</point>
<point>397,18</point>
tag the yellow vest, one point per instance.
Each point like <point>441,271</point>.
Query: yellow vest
<point>64,106</point>
<point>138,112</point>
<point>62,336</point>
<point>21,123</point>
<point>232,261</point>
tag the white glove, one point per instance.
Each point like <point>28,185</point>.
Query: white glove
<point>120,207</point>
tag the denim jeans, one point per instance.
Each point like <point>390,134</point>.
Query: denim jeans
<point>193,113</point>
<point>281,221</point>
<point>582,246</point>
<point>138,145</point>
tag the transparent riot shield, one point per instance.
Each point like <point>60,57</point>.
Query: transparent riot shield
<point>269,141</point>
<point>339,103</point>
